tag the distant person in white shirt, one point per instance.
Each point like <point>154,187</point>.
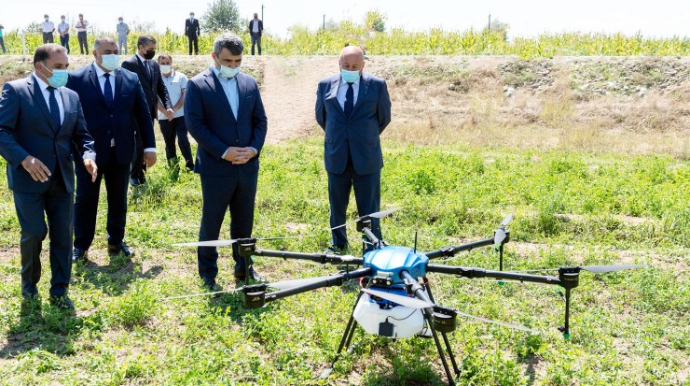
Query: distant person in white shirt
<point>256,27</point>
<point>176,83</point>
<point>63,30</point>
<point>122,32</point>
<point>48,28</point>
<point>81,27</point>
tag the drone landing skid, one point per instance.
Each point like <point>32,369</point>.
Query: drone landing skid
<point>346,341</point>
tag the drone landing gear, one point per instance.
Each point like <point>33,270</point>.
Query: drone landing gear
<point>345,341</point>
<point>428,316</point>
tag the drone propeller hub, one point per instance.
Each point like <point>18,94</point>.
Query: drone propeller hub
<point>569,277</point>
<point>444,319</point>
<point>247,247</point>
<point>254,296</point>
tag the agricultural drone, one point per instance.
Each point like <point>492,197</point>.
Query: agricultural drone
<point>395,298</point>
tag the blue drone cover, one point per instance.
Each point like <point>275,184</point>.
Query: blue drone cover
<point>394,260</point>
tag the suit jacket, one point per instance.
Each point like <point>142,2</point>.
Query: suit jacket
<point>358,134</point>
<point>26,129</point>
<point>128,114</point>
<point>210,121</point>
<point>154,87</point>
<point>261,26</point>
<point>192,29</point>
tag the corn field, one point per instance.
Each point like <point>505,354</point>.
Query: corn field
<point>401,42</point>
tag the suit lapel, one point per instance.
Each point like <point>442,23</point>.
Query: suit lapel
<point>66,106</point>
<point>241,94</point>
<point>35,91</point>
<point>97,85</point>
<point>216,87</point>
<point>143,69</point>
<point>363,89</point>
<point>118,86</point>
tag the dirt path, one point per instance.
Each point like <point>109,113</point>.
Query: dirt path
<point>289,94</point>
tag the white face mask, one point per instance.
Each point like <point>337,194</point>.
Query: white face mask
<point>166,69</point>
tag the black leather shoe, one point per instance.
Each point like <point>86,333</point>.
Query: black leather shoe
<point>78,255</point>
<point>240,275</point>
<point>122,247</point>
<point>62,302</point>
<point>335,250</point>
<point>210,285</point>
<point>29,292</point>
<point>134,182</point>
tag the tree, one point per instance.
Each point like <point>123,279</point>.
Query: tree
<point>375,20</point>
<point>500,27</point>
<point>34,27</point>
<point>222,15</point>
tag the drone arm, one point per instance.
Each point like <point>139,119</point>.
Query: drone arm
<point>474,273</point>
<point>321,258</point>
<point>452,251</point>
<point>326,282</point>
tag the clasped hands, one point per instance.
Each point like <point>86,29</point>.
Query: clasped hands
<point>239,155</point>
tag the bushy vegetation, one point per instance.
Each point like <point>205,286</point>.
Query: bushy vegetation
<point>570,208</point>
<point>302,41</point>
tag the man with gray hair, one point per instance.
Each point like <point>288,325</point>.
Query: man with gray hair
<point>225,115</point>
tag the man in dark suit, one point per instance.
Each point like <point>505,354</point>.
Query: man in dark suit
<point>115,108</point>
<point>256,28</point>
<point>353,108</point>
<point>40,120</point>
<point>149,73</point>
<point>225,114</point>
<point>192,31</point>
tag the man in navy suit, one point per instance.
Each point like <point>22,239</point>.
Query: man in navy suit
<point>40,121</point>
<point>353,108</point>
<point>115,108</point>
<point>149,73</point>
<point>225,114</point>
<point>192,30</point>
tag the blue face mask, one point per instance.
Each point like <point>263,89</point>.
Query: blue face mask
<point>58,77</point>
<point>349,76</point>
<point>228,72</point>
<point>110,61</point>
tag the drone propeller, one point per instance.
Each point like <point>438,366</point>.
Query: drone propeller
<point>507,220</point>
<point>225,243</point>
<point>594,268</point>
<point>420,304</point>
<point>500,233</point>
<point>379,214</point>
<point>279,285</point>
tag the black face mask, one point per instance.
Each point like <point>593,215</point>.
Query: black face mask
<point>149,54</point>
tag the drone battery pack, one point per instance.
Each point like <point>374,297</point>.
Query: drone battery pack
<point>387,329</point>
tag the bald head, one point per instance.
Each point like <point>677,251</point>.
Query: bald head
<point>352,58</point>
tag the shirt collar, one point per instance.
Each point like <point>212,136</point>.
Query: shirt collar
<point>141,57</point>
<point>43,85</point>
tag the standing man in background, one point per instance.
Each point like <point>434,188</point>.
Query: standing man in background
<point>192,30</point>
<point>256,27</point>
<point>2,39</point>
<point>63,30</point>
<point>48,28</point>
<point>40,123</point>
<point>225,114</point>
<point>122,33</point>
<point>353,108</point>
<point>176,84</point>
<point>81,27</point>
<point>149,73</point>
<point>115,108</point>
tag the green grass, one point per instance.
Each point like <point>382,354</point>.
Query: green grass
<point>629,328</point>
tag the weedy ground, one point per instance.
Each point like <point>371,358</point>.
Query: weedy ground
<point>456,164</point>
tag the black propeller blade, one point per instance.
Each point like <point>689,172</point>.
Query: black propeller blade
<point>225,243</point>
<point>420,304</point>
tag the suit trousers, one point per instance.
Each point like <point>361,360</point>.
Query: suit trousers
<point>256,41</point>
<point>47,37</point>
<point>170,130</point>
<point>83,43</point>
<point>138,167</point>
<point>193,41</point>
<point>86,207</point>
<point>237,192</point>
<point>367,196</point>
<point>55,203</point>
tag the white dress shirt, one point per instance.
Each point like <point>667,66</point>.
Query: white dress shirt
<point>63,27</point>
<point>81,25</point>
<point>47,26</point>
<point>46,95</point>
<point>342,91</point>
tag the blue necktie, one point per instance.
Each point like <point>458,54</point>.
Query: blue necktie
<point>108,90</point>
<point>349,99</point>
<point>54,109</point>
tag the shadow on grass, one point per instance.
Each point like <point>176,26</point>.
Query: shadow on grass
<point>405,372</point>
<point>42,326</point>
<point>232,305</point>
<point>115,278</point>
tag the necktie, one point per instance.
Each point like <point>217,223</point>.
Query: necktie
<point>108,90</point>
<point>349,99</point>
<point>54,109</point>
<point>148,68</point>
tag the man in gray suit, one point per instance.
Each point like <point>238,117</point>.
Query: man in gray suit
<point>40,120</point>
<point>353,108</point>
